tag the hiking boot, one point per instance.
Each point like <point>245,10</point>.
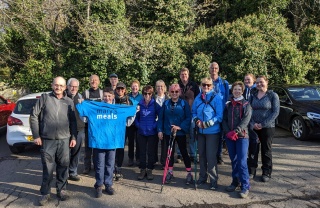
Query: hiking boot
<point>149,174</point>
<point>142,174</point>
<point>233,186</point>
<point>119,175</point>
<point>44,199</point>
<point>74,178</point>
<point>109,190</point>
<point>189,179</point>
<point>98,192</point>
<point>220,161</point>
<point>214,185</point>
<point>62,195</point>
<point>169,177</point>
<point>179,159</point>
<point>265,178</point>
<point>130,163</point>
<point>252,173</point>
<point>244,193</point>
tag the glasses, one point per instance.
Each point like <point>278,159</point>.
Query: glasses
<point>175,92</point>
<point>206,85</point>
<point>120,88</point>
<point>73,86</point>
<point>57,86</point>
<point>147,93</point>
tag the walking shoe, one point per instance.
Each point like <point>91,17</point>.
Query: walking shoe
<point>169,177</point>
<point>201,182</point>
<point>244,193</point>
<point>149,174</point>
<point>179,159</point>
<point>220,161</point>
<point>109,190</point>
<point>233,186</point>
<point>265,178</point>
<point>214,185</point>
<point>44,199</point>
<point>142,174</point>
<point>62,195</point>
<point>86,171</point>
<point>252,173</point>
<point>119,175</point>
<point>98,192</point>
<point>74,178</point>
<point>189,179</point>
<point>130,163</point>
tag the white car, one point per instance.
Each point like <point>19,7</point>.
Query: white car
<point>19,133</point>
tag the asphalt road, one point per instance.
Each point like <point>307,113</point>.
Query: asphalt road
<point>295,182</point>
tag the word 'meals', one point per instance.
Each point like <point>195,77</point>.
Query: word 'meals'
<point>107,114</point>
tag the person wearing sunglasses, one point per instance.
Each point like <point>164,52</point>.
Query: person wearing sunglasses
<point>207,112</point>
<point>146,122</point>
<point>175,117</point>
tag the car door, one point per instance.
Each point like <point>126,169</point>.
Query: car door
<point>3,112</point>
<point>285,107</point>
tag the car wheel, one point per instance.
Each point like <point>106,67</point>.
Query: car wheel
<point>16,150</point>
<point>299,129</point>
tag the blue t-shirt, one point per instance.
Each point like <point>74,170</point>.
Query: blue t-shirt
<point>106,123</point>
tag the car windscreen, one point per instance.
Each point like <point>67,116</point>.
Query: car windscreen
<point>305,93</point>
<point>25,106</point>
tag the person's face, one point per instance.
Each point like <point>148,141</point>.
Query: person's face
<point>248,81</point>
<point>184,76</point>
<point>262,84</point>
<point>237,91</point>
<point>73,87</point>
<point>206,87</point>
<point>134,87</point>
<point>160,88</point>
<point>147,96</point>
<point>59,85</point>
<point>214,70</point>
<point>114,81</point>
<point>121,91</point>
<point>108,97</point>
<point>94,82</point>
<point>174,94</point>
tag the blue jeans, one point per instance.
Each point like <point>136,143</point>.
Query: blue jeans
<point>147,146</point>
<point>75,154</point>
<point>104,165</point>
<point>238,153</point>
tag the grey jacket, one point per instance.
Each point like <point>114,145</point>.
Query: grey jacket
<point>53,118</point>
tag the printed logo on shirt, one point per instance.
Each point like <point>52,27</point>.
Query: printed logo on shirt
<point>107,114</point>
<point>145,112</point>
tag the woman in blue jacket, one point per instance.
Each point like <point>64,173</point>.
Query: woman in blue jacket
<point>207,112</point>
<point>175,116</point>
<point>147,131</point>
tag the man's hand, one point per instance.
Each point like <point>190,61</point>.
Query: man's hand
<point>37,141</point>
<point>160,135</point>
<point>73,143</point>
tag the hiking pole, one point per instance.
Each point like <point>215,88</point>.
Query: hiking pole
<point>171,143</point>
<point>196,128</point>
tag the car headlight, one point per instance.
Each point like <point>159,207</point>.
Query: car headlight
<point>312,115</point>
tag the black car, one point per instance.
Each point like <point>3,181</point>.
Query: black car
<point>299,109</point>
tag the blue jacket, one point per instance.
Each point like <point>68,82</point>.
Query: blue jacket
<point>222,86</point>
<point>178,114</point>
<point>135,100</point>
<point>146,118</point>
<point>206,111</point>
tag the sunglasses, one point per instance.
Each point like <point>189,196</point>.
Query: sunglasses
<point>175,92</point>
<point>206,85</point>
<point>147,93</point>
<point>120,88</point>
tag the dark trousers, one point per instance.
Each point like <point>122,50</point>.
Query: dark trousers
<point>104,165</point>
<point>75,154</point>
<point>120,153</point>
<point>87,150</point>
<point>182,144</point>
<point>54,154</point>
<point>147,146</point>
<point>266,137</point>
<point>164,149</point>
<point>132,133</point>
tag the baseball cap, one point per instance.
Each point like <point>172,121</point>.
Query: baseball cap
<point>121,84</point>
<point>113,75</point>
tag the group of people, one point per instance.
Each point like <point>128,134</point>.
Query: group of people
<point>104,119</point>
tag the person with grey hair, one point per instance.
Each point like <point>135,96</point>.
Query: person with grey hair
<point>72,92</point>
<point>54,128</point>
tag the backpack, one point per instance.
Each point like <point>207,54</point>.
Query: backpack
<point>87,95</point>
<point>207,102</point>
